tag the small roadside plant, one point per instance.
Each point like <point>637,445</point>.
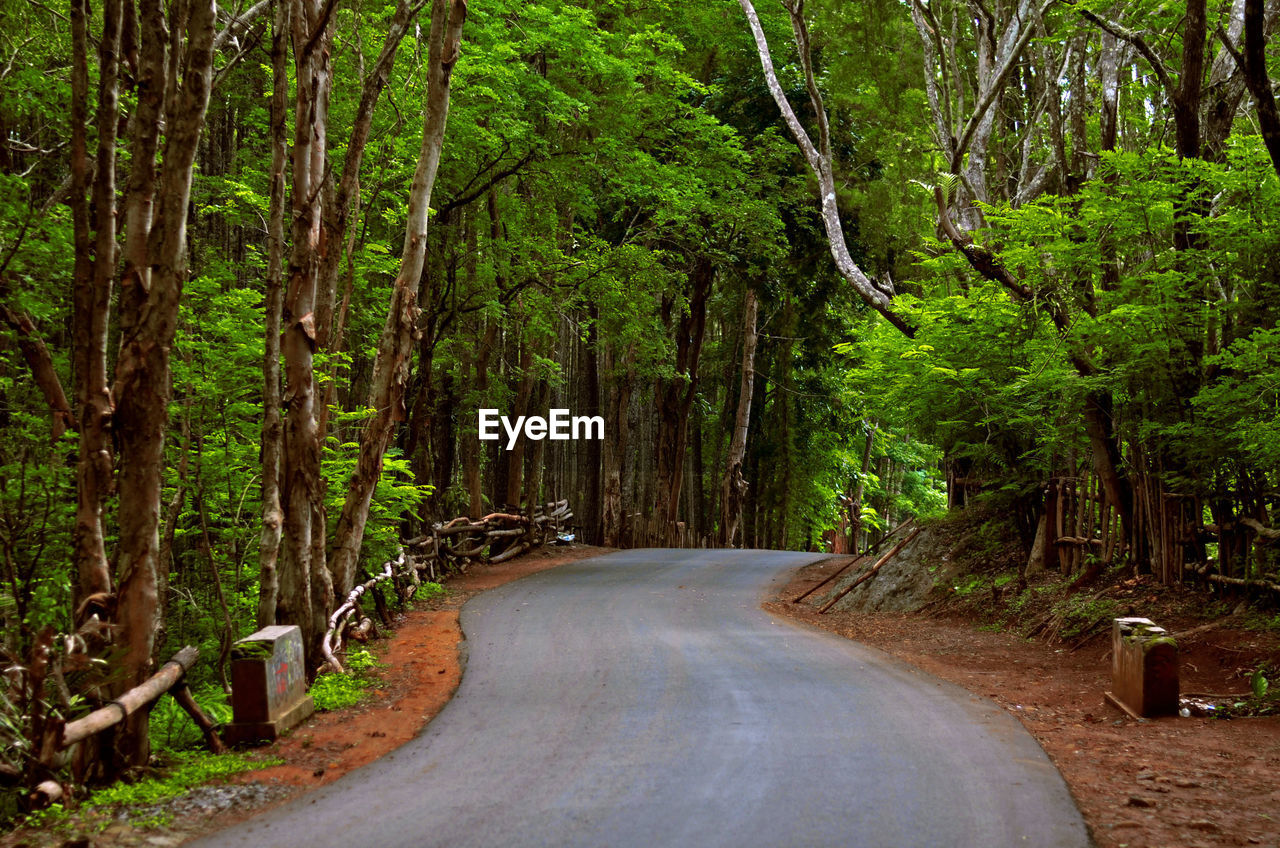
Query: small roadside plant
<point>428,591</point>
<point>336,691</point>
<point>1263,699</point>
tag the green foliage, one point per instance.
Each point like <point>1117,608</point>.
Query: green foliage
<point>1078,613</point>
<point>1259,684</point>
<point>173,730</point>
<point>182,772</point>
<point>335,691</point>
<point>427,591</point>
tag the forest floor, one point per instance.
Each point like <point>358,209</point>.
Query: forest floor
<point>1176,782</point>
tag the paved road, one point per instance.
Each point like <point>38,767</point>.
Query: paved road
<point>644,699</point>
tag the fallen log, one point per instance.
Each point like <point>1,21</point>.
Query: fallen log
<point>1240,581</point>
<point>332,642</point>
<point>472,527</point>
<point>183,696</point>
<point>841,570</point>
<point>505,516</point>
<point>868,552</point>
<point>1122,706</point>
<point>129,703</point>
<point>1263,531</point>
<point>871,572</point>
<point>511,552</point>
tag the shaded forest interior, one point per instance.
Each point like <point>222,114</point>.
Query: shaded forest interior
<point>819,267</point>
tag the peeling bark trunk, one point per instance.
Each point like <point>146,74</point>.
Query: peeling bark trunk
<point>143,382</point>
<point>301,486</point>
<point>341,204</point>
<point>391,368</point>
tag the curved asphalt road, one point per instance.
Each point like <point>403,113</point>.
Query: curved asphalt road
<point>644,699</point>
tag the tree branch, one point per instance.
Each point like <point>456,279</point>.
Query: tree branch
<point>1140,43</point>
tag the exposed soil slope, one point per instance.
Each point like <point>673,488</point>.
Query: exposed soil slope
<point>1178,782</point>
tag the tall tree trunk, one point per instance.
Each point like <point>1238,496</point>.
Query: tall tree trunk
<point>93,273</point>
<point>514,458</point>
<point>272,423</point>
<point>1186,103</point>
<point>1257,78</point>
<point>733,486</point>
<point>591,493</point>
<point>859,489</point>
<point>616,443</point>
<point>391,368</point>
<point>143,382</point>
<point>301,486</point>
<point>820,160</point>
<point>471,452</point>
<point>675,396</point>
<point>341,204</point>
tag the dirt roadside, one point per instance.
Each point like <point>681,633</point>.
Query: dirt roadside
<point>1168,783</point>
<point>1179,783</point>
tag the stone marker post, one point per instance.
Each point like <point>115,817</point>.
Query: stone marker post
<point>268,685</point>
<point>1144,667</point>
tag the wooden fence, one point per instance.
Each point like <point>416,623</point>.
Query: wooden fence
<point>1173,533</point>
<point>451,545</point>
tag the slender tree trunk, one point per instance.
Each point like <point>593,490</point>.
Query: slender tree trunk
<point>820,160</point>
<point>1257,78</point>
<point>471,455</point>
<point>859,489</point>
<point>733,487</point>
<point>592,495</point>
<point>391,368</point>
<point>272,423</point>
<point>615,446</point>
<point>340,205</point>
<point>1186,104</point>
<point>514,458</point>
<point>93,273</point>
<point>675,397</point>
<point>143,382</point>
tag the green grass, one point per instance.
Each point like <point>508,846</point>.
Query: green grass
<point>188,769</point>
<point>338,691</point>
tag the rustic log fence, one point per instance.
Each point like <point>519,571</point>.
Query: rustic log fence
<point>451,545</point>
<point>55,740</point>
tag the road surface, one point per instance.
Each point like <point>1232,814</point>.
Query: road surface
<point>644,699</point>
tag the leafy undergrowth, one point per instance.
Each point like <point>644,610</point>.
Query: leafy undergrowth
<point>339,690</point>
<point>182,772</point>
